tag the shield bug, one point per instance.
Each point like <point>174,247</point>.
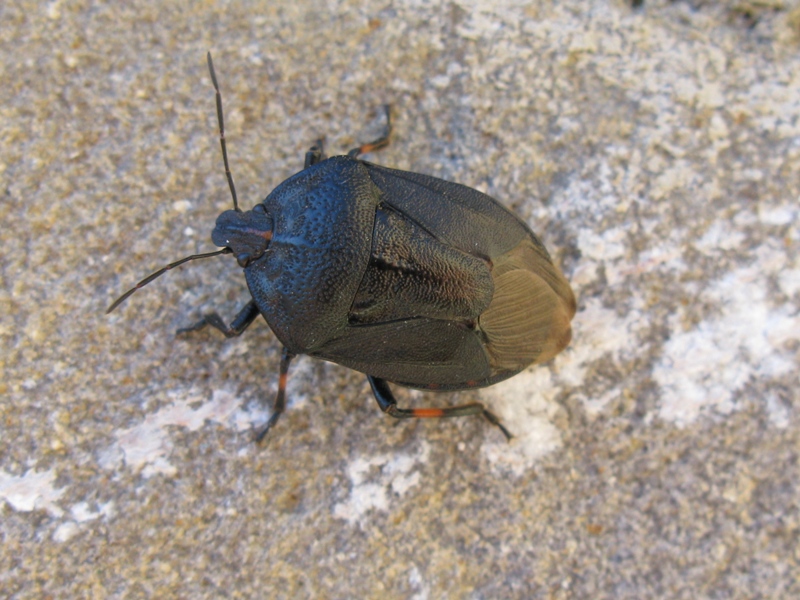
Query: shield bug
<point>404,277</point>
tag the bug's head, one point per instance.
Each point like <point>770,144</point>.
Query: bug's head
<point>247,234</point>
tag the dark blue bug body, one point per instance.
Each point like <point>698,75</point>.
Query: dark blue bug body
<point>402,276</point>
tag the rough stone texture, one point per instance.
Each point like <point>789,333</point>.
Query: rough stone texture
<point>657,150</point>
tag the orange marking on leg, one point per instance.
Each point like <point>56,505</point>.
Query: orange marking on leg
<point>424,413</point>
<point>372,147</point>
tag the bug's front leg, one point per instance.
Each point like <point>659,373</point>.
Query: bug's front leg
<point>315,154</point>
<point>388,404</point>
<point>240,322</point>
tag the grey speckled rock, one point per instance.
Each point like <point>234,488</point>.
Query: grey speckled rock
<point>656,150</point>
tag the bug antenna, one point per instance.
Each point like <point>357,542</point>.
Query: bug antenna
<point>160,272</point>
<point>222,132</point>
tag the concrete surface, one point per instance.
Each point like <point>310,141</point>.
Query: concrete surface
<point>656,150</point>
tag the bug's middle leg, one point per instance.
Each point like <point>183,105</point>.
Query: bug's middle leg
<point>280,400</point>
<point>388,404</point>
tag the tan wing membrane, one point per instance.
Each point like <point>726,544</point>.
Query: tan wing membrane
<point>529,318</point>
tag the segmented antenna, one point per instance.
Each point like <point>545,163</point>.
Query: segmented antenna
<point>222,132</point>
<point>163,270</point>
<point>160,272</point>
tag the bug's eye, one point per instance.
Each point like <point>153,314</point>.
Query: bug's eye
<point>243,259</point>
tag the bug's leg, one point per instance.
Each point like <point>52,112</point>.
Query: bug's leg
<point>241,322</point>
<point>388,405</point>
<point>381,142</point>
<point>314,154</point>
<point>280,400</point>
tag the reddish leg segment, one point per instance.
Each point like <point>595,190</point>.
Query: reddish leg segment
<point>388,405</point>
<point>280,400</point>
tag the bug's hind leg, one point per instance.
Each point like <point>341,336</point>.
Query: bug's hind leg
<point>388,405</point>
<point>381,142</point>
<point>240,322</point>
